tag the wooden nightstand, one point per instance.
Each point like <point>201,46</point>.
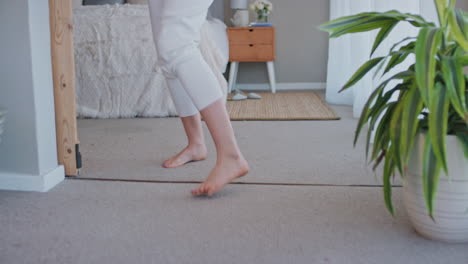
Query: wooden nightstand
<point>251,44</point>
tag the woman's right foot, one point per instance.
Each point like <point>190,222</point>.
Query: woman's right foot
<point>224,173</point>
<point>189,154</point>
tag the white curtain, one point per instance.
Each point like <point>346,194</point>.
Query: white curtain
<point>349,52</point>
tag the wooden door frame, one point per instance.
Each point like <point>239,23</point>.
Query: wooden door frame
<point>63,68</point>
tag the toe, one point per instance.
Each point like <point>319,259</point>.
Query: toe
<point>210,191</point>
<point>198,190</point>
<point>206,190</point>
<point>168,163</point>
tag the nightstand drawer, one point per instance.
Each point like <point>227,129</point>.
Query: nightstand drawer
<point>251,52</point>
<point>251,35</point>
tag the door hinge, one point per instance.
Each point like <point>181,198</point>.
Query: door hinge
<point>78,156</point>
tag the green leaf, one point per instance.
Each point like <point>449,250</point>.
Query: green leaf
<point>365,112</point>
<point>389,170</point>
<point>395,135</point>
<point>395,60</point>
<point>382,135</point>
<point>401,42</point>
<point>376,112</point>
<point>455,81</point>
<point>441,6</point>
<point>412,107</point>
<point>357,23</point>
<point>364,25</point>
<point>403,75</point>
<point>415,20</point>
<point>430,177</point>
<point>383,34</point>
<point>427,45</point>
<point>379,67</point>
<point>338,23</point>
<point>377,101</point>
<point>463,60</point>
<point>463,139</point>
<point>461,18</point>
<point>361,72</point>
<point>438,123</point>
<point>457,28</point>
<point>396,57</point>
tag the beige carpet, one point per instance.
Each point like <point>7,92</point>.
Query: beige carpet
<point>141,223</point>
<point>282,106</point>
<point>293,152</point>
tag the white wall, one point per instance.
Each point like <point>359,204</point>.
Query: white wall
<point>301,48</point>
<point>28,155</point>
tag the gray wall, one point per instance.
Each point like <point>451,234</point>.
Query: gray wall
<point>463,4</point>
<point>28,146</point>
<point>217,9</point>
<point>302,50</point>
<point>16,91</point>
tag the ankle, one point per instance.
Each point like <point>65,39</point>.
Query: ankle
<point>197,148</point>
<point>196,145</point>
<point>234,156</point>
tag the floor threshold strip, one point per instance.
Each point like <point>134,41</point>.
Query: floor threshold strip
<point>233,183</point>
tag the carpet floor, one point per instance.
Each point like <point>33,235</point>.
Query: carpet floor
<point>112,222</point>
<point>295,152</point>
<point>106,220</point>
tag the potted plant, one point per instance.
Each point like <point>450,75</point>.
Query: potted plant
<point>423,134</point>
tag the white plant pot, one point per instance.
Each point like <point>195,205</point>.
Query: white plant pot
<point>451,203</point>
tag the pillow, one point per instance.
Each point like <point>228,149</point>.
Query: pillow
<point>137,2</point>
<point>77,3</point>
<point>103,2</point>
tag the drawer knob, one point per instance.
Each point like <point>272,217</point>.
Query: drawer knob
<point>251,30</point>
<point>251,45</point>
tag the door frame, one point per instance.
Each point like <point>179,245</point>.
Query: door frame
<point>63,70</point>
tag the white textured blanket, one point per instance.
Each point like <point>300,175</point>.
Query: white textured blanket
<point>116,70</point>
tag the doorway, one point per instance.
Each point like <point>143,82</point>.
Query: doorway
<point>63,68</point>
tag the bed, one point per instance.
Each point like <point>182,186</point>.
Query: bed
<point>116,68</point>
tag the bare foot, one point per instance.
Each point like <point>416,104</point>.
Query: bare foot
<point>225,172</point>
<point>190,153</point>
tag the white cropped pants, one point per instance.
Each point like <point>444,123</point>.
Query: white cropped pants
<point>176,30</point>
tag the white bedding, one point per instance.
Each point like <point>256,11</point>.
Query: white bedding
<point>116,70</point>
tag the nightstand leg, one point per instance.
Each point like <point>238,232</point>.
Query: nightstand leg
<point>271,75</point>
<point>233,75</point>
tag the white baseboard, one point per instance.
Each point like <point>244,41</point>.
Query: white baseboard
<point>280,86</point>
<point>29,182</point>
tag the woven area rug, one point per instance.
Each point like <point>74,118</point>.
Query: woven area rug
<point>282,106</point>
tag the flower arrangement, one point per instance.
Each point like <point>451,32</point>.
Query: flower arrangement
<point>263,8</point>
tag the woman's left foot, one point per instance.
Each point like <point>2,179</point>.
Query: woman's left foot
<point>225,172</point>
<point>189,154</point>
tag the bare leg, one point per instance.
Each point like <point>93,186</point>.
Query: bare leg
<point>230,163</point>
<point>196,148</point>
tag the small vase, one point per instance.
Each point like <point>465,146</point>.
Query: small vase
<point>262,16</point>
